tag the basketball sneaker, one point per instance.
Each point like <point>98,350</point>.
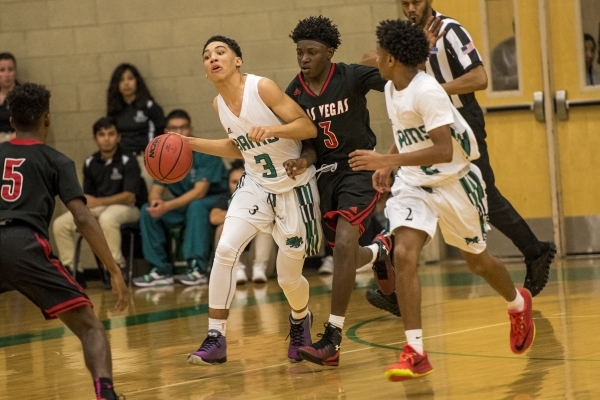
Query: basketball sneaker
<point>259,274</point>
<point>411,365</point>
<point>388,303</point>
<point>383,270</point>
<point>538,270</point>
<point>240,273</point>
<point>154,278</point>
<point>327,350</point>
<point>212,351</point>
<point>192,277</point>
<point>522,328</point>
<point>326,267</point>
<point>299,336</point>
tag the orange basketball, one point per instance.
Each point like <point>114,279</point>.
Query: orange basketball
<point>168,158</point>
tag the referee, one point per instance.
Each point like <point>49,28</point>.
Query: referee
<point>456,65</point>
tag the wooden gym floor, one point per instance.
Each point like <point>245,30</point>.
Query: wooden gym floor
<point>465,327</point>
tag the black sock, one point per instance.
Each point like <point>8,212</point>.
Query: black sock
<point>104,389</point>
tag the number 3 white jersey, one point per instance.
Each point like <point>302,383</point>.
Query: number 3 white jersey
<point>263,160</point>
<point>419,108</point>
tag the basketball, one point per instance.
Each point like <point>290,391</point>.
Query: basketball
<point>168,158</point>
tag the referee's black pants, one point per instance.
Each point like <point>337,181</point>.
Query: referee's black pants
<point>502,214</point>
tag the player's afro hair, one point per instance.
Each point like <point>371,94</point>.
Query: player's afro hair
<point>28,103</point>
<point>233,45</point>
<point>405,41</point>
<point>319,29</point>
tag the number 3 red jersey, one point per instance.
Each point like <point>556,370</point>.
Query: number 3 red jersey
<point>33,174</point>
<point>339,111</point>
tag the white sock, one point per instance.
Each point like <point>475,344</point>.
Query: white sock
<point>218,325</point>
<point>518,304</point>
<point>375,249</point>
<point>298,315</point>
<point>337,321</point>
<point>414,337</point>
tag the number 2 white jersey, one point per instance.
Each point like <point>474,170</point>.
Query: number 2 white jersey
<point>263,160</point>
<point>419,108</point>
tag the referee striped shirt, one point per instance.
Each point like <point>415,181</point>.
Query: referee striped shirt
<point>453,56</point>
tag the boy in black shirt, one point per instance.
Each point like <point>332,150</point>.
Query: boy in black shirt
<point>112,186</point>
<point>333,95</point>
<point>33,175</point>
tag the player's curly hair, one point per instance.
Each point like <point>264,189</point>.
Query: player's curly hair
<point>405,41</point>
<point>233,45</point>
<point>319,29</point>
<point>28,103</point>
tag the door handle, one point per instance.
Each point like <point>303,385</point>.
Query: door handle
<point>537,106</point>
<point>563,105</point>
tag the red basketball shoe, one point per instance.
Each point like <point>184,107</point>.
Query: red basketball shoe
<point>411,365</point>
<point>522,328</point>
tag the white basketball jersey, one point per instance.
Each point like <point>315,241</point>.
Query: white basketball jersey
<point>418,109</point>
<point>263,160</point>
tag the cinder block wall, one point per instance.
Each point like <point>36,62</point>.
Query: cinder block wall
<point>72,47</point>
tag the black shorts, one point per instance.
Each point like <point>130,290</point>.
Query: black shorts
<point>347,194</point>
<point>28,265</point>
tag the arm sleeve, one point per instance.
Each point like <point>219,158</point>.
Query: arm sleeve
<point>368,78</point>
<point>459,42</point>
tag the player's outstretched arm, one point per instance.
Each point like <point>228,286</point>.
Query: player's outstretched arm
<point>216,147</point>
<point>92,233</point>
<point>298,126</point>
<point>298,166</point>
<point>440,152</point>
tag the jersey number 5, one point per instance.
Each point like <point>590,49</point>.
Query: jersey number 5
<point>12,191</point>
<point>331,142</point>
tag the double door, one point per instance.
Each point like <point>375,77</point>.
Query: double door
<point>542,113</point>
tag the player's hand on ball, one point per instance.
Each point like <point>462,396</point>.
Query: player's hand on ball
<point>295,167</point>
<point>260,133</point>
<point>366,160</point>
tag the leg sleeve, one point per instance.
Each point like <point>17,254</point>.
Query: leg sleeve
<point>236,235</point>
<point>292,282</point>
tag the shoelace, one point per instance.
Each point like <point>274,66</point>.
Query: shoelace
<point>210,342</point>
<point>326,338</point>
<point>517,323</point>
<point>295,335</point>
<point>408,357</point>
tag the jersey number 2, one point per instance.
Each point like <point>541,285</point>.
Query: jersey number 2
<point>12,191</point>
<point>331,142</point>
